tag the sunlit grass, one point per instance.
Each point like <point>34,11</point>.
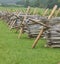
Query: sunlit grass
<point>19,51</point>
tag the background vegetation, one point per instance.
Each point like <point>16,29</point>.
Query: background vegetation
<point>32,3</point>
<point>39,3</point>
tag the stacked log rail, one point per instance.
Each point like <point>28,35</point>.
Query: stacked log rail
<point>42,30</point>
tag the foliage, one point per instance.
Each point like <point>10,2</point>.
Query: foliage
<point>21,2</point>
<point>51,3</point>
<point>27,3</point>
<point>37,3</point>
<point>41,3</point>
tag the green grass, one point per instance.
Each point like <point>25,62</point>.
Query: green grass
<point>19,51</point>
<point>39,11</point>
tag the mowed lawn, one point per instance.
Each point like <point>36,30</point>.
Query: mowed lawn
<point>19,51</point>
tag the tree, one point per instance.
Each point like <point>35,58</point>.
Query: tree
<point>51,3</point>
<point>58,3</point>
<point>27,3</point>
<point>21,2</point>
<point>37,3</point>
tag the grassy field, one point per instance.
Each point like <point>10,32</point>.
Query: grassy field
<point>19,51</point>
<point>40,11</point>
